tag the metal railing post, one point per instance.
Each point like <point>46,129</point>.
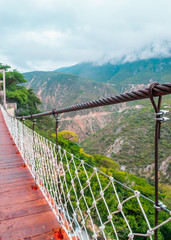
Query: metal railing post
<point>17,137</point>
<point>4,88</point>
<point>160,117</point>
<point>34,154</point>
<point>23,120</point>
<point>57,119</point>
<point>57,144</point>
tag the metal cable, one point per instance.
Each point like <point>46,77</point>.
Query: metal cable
<point>159,90</point>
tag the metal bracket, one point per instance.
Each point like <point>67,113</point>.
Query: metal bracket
<point>34,121</point>
<point>56,116</point>
<point>160,206</point>
<point>160,116</point>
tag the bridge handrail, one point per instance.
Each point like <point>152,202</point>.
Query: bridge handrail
<point>48,161</point>
<point>65,189</point>
<point>158,90</point>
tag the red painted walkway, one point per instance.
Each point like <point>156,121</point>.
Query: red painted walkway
<point>24,212</point>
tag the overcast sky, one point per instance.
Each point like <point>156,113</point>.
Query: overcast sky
<point>47,34</point>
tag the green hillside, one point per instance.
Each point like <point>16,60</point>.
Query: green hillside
<point>142,72</point>
<point>129,140</point>
<point>137,72</point>
<point>99,73</point>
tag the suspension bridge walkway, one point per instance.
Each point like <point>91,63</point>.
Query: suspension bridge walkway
<point>24,211</point>
<point>48,193</point>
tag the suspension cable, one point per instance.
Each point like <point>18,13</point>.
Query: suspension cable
<point>158,90</point>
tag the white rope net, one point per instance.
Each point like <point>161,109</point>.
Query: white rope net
<point>87,202</point>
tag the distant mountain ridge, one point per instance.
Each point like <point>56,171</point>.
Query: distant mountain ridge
<point>98,73</point>
<point>142,71</point>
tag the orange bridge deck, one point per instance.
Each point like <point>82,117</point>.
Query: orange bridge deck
<point>24,212</point>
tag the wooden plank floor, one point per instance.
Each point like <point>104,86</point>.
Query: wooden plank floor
<point>24,212</point>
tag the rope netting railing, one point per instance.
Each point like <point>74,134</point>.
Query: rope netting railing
<point>88,203</point>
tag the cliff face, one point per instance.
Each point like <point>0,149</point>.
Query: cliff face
<point>57,90</point>
<point>129,140</point>
<point>87,124</point>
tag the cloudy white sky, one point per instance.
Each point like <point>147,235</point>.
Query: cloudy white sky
<point>47,34</point>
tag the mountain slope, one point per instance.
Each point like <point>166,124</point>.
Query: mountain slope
<point>137,72</point>
<point>142,72</point>
<point>61,90</point>
<point>58,90</point>
<point>129,140</point>
<point>99,73</point>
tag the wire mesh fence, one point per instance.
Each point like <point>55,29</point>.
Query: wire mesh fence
<point>88,203</point>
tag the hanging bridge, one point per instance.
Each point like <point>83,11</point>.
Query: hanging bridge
<point>48,193</point>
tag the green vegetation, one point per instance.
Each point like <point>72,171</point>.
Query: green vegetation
<point>27,101</point>
<point>68,135</point>
<point>99,73</point>
<point>111,168</point>
<point>120,74</point>
<point>129,139</point>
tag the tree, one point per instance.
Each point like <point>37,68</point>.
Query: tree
<point>27,101</point>
<point>71,136</point>
<point>4,66</point>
